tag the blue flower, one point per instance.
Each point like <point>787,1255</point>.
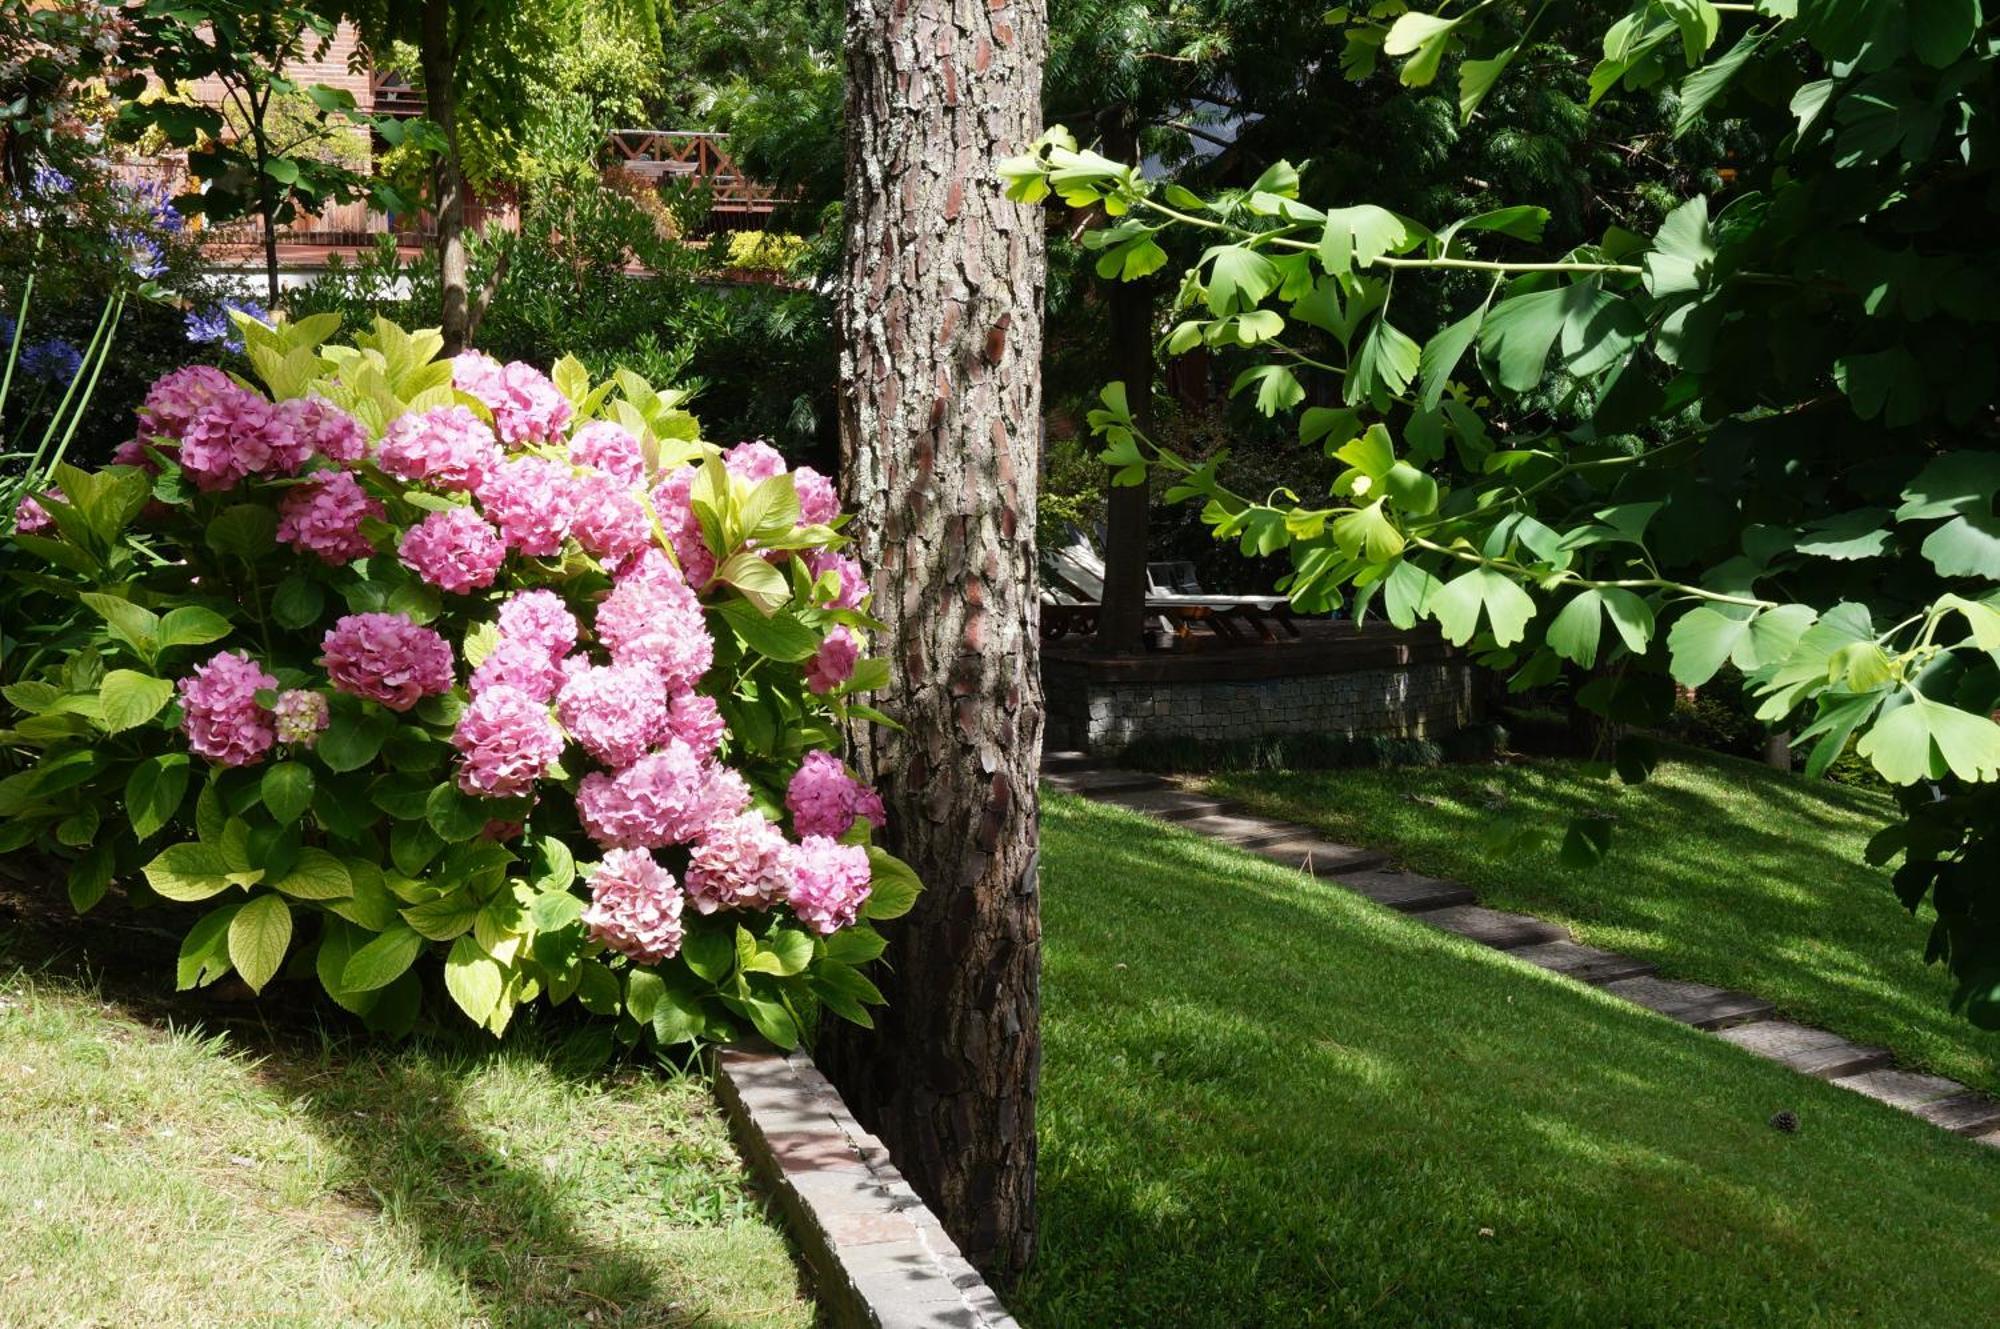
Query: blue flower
<point>46,179</point>
<point>142,252</point>
<point>54,360</point>
<point>213,325</point>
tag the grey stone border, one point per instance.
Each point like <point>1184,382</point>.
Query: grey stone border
<point>880,1258</point>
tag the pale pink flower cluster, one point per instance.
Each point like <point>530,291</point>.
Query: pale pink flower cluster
<point>610,521</point>
<point>652,616</point>
<point>666,797</point>
<point>635,908</point>
<point>852,589</point>
<point>30,516</point>
<point>753,461</point>
<point>526,406</point>
<point>833,664</point>
<point>387,658</point>
<point>824,799</point>
<point>532,501</point>
<point>239,433</point>
<point>219,710</point>
<point>300,717</point>
<point>610,448</point>
<point>697,721</point>
<point>509,741</point>
<point>739,863</point>
<point>447,447</point>
<point>536,631</point>
<point>454,550</point>
<point>324,429</point>
<point>673,503</point>
<point>829,883</point>
<point>174,398</point>
<point>818,503</point>
<point>324,516</point>
<point>615,711</point>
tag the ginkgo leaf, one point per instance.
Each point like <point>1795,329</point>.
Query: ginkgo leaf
<point>1924,739</point>
<point>1458,605</point>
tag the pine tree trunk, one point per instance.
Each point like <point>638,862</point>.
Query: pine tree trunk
<point>940,415</point>
<point>438,59</point>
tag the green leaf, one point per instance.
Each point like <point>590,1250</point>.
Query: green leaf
<point>247,530</point>
<point>1442,353</point>
<point>1477,77</point>
<point>709,953</point>
<point>1701,87</point>
<point>204,954</point>
<point>1383,367</point>
<point>189,871</point>
<point>643,990</point>
<point>1631,616</point>
<point>1278,389</point>
<point>1924,739</point>
<point>446,917</point>
<point>1356,237</point>
<point>455,815</point>
<point>597,988</point>
<point>1368,533</point>
<point>132,624</point>
<point>761,583</point>
<point>1457,606</point>
<point>782,637</point>
<point>793,949</point>
<point>1573,633</point>
<point>1407,593</point>
<point>892,886</point>
<point>473,979</point>
<point>1238,278</point>
<point>315,875</point>
<point>1519,332</point>
<point>1966,547</point>
<point>383,960</point>
<point>352,742</point>
<point>1683,249</point>
<point>90,875</point>
<point>297,602</point>
<point>259,936</point>
<point>773,1021</point>
<point>1862,533</point>
<point>129,699</point>
<point>1586,841</point>
<point>1701,641</point>
<point>1941,30</point>
<point>191,625</point>
<point>1423,37</point>
<point>287,790</point>
<point>856,945</point>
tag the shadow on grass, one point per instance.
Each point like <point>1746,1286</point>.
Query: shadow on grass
<point>513,1232</point>
<point>1268,1102</point>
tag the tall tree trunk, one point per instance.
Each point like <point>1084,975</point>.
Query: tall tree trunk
<point>1121,622</point>
<point>438,58</point>
<point>940,410</point>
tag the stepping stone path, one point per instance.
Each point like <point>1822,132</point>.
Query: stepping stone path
<point>1748,1022</point>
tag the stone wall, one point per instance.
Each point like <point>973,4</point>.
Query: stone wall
<point>1096,711</point>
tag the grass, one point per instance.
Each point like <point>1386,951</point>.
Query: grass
<point>1721,870</point>
<point>1268,1102</point>
<point>162,1175</point>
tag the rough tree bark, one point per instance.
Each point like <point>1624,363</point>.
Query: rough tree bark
<point>940,412</point>
<point>1121,622</point>
<point>437,53</point>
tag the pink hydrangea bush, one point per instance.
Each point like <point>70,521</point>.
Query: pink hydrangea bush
<point>467,663</point>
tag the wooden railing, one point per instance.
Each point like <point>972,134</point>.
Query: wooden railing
<point>698,158</point>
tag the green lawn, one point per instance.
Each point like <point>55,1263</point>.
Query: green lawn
<point>161,1176</point>
<point>1721,870</point>
<point>1267,1102</point>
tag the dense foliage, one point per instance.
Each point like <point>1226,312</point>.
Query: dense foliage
<point>364,659</point>
<point>1758,433</point>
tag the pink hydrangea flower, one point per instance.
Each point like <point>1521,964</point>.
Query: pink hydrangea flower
<point>454,550</point>
<point>615,711</point>
<point>634,907</point>
<point>610,521</point>
<point>754,461</point>
<point>387,658</point>
<point>519,664</point>
<point>532,501</point>
<point>739,863</point>
<point>611,449</point>
<point>824,799</point>
<point>219,710</point>
<point>324,518</point>
<point>829,883</point>
<point>696,721</point>
<point>539,618</point>
<point>527,407</point>
<point>656,619</point>
<point>300,717</point>
<point>175,397</point>
<point>664,798</point>
<point>238,434</point>
<point>447,447</point>
<point>833,664</point>
<point>325,429</point>
<point>509,741</point>
<point>30,516</point>
<point>673,503</point>
<point>818,503</point>
<point>853,589</point>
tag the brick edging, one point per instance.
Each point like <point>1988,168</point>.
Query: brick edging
<point>880,1258</point>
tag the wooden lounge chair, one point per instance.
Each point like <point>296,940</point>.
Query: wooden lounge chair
<point>1080,569</point>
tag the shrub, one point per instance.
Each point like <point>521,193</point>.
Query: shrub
<point>376,657</point>
<point>765,251</point>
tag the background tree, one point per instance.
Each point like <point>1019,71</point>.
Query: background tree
<point>940,317</point>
